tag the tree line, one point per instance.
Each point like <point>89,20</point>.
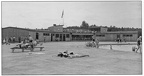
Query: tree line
<point>85,25</point>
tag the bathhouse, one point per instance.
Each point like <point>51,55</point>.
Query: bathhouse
<point>58,33</point>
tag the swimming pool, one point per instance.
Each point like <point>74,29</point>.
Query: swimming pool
<point>118,47</point>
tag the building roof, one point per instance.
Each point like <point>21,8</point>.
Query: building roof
<point>123,32</point>
<point>35,30</point>
<point>39,30</point>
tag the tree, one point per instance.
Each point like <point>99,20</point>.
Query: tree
<point>84,24</point>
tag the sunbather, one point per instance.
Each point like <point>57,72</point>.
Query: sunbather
<point>60,54</point>
<point>64,54</point>
<point>72,55</point>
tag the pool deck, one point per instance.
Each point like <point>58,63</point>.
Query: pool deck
<point>100,62</point>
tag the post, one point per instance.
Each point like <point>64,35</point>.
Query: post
<point>111,47</point>
<point>22,50</point>
<point>63,21</point>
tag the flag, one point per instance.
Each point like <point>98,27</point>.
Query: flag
<point>62,14</point>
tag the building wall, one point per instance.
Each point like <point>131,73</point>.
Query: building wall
<point>56,28</point>
<point>41,36</point>
<point>13,32</point>
<point>131,38</point>
<point>23,33</point>
<point>68,39</point>
<point>108,37</point>
<point>47,37</point>
<point>101,38</point>
<point>60,37</point>
<point>103,30</point>
<point>113,37</point>
<point>5,33</point>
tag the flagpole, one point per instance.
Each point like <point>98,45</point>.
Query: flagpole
<point>63,20</point>
<point>63,16</point>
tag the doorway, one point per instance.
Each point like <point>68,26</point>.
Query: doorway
<point>52,37</point>
<point>63,37</point>
<point>118,36</point>
<point>60,37</point>
<point>37,36</point>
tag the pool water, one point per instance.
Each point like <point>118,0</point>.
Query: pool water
<point>118,47</point>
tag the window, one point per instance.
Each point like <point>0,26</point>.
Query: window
<point>57,35</point>
<point>127,35</point>
<point>37,35</point>
<point>67,35</point>
<point>100,35</point>
<point>46,34</point>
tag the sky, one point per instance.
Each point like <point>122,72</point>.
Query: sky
<point>45,14</point>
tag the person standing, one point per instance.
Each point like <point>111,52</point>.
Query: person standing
<point>93,37</point>
<point>31,42</point>
<point>7,41</point>
<point>93,40</point>
<point>19,39</point>
<point>4,41</point>
<point>14,39</point>
<point>97,43</point>
<point>30,38</point>
<point>139,44</point>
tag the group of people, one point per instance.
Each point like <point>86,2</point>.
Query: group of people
<point>94,42</point>
<point>28,42</point>
<point>8,40</point>
<point>120,40</point>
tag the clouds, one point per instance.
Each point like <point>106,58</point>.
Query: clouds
<point>45,14</point>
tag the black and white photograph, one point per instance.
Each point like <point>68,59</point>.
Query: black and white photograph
<point>71,37</point>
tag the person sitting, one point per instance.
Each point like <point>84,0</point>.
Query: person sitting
<point>35,43</point>
<point>90,44</point>
<point>30,41</point>
<point>23,45</point>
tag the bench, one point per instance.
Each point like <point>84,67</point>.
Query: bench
<point>26,48</point>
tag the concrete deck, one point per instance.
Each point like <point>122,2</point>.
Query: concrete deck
<point>100,62</point>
